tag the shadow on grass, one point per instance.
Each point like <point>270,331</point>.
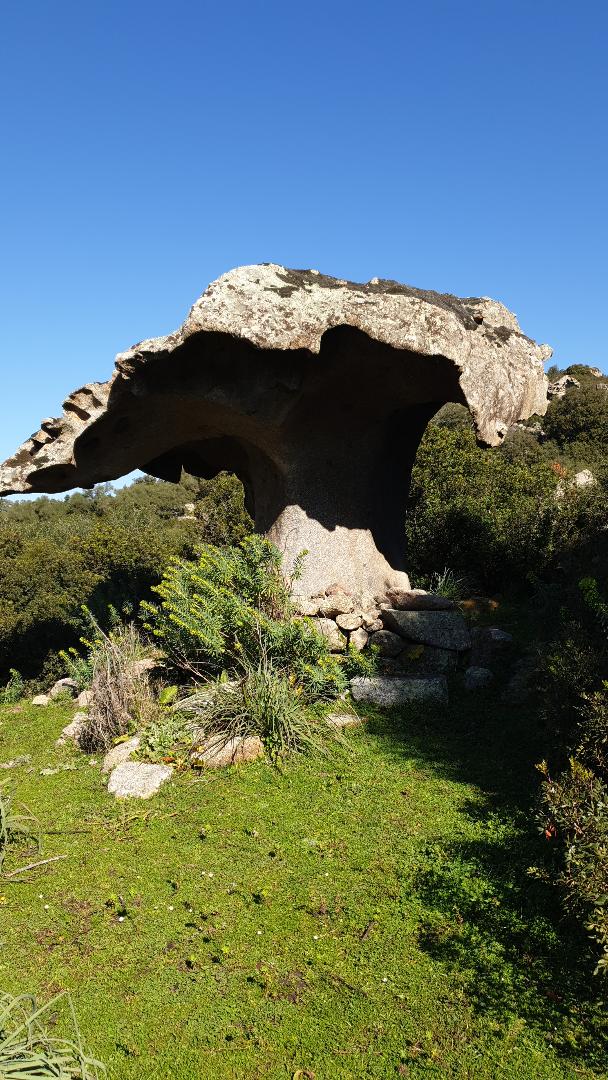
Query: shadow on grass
<point>498,927</point>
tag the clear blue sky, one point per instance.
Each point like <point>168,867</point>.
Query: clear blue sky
<point>148,148</point>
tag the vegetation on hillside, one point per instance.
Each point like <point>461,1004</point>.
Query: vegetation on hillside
<point>96,582</point>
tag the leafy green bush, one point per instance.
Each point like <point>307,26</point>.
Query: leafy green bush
<point>14,688</point>
<point>233,606</point>
<point>574,801</point>
<point>580,418</point>
<point>574,813</point>
<point>491,518</point>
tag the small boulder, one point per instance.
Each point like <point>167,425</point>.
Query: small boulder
<point>64,686</point>
<point>219,752</point>
<point>389,691</point>
<point>73,730</point>
<point>119,753</point>
<point>418,600</point>
<point>370,617</point>
<point>338,603</point>
<point>359,639</point>
<point>84,699</point>
<point>487,641</point>
<point>342,721</point>
<point>308,608</point>
<point>334,638</point>
<point>41,699</point>
<point>477,678</point>
<point>137,779</point>
<point>387,643</point>
<point>442,629</point>
<point>427,660</point>
<point>349,622</point>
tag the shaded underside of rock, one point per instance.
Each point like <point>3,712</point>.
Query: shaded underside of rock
<point>315,392</point>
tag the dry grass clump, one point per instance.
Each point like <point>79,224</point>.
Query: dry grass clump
<point>121,696</point>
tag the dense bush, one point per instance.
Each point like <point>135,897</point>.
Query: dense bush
<point>232,605</point>
<point>99,549</point>
<point>262,701</point>
<point>490,516</point>
<point>574,797</point>
<point>578,423</point>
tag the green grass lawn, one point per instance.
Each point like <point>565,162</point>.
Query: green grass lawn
<point>364,915</point>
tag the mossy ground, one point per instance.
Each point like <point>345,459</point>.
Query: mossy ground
<point>364,915</point>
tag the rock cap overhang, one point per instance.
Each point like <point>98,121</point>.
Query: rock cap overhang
<point>499,370</point>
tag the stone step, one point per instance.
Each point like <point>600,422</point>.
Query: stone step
<point>390,691</point>
<point>440,629</point>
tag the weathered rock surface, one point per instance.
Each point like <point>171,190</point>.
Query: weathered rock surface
<point>343,721</point>
<point>477,678</point>
<point>315,391</point>
<point>418,600</point>
<point>41,700</point>
<point>487,641</point>
<point>389,691</point>
<point>220,752</point>
<point>349,622</point>
<point>137,779</point>
<point>119,753</point>
<point>84,699</point>
<point>63,686</point>
<point>387,643</point>
<point>442,629</point>
<point>359,639</point>
<point>429,661</point>
<point>560,387</point>
<point>338,603</point>
<point>73,730</point>
<point>334,638</point>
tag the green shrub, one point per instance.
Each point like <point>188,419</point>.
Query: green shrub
<point>490,518</point>
<point>580,417</point>
<point>575,815</point>
<point>232,606</point>
<point>14,689</point>
<point>574,801</point>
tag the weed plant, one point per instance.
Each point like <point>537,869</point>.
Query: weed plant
<point>28,1052</point>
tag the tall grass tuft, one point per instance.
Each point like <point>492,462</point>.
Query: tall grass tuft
<point>263,701</point>
<point>15,827</point>
<point>28,1052</point>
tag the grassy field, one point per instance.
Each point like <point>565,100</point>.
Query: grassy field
<point>364,915</point>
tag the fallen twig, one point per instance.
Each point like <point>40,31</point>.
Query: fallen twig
<point>33,865</point>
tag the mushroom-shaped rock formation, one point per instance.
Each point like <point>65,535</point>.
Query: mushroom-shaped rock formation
<point>315,392</point>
